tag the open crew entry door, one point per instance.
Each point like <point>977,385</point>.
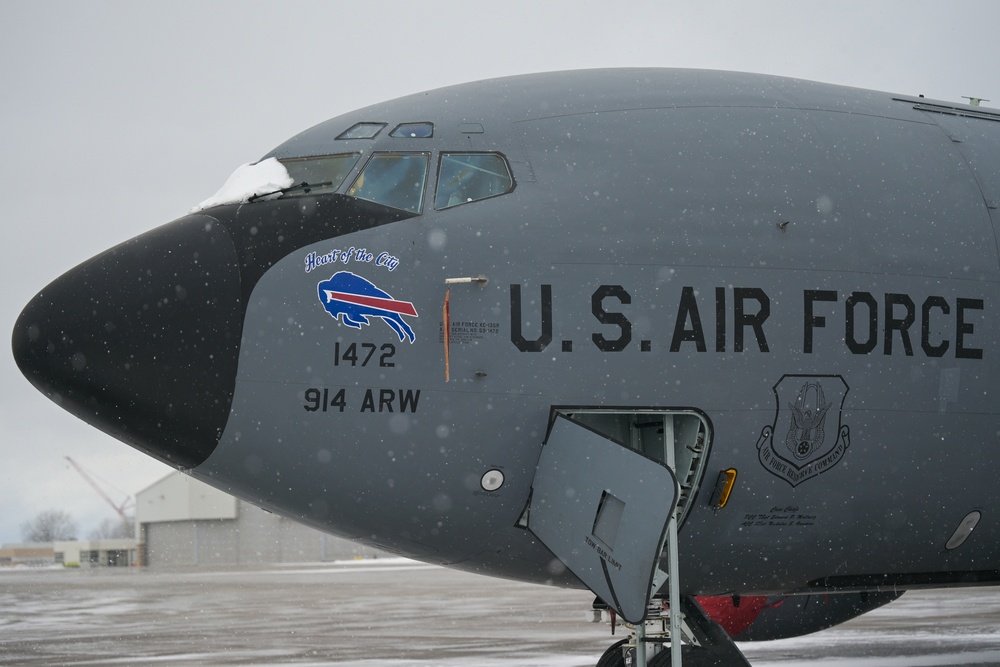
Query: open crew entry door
<point>602,509</point>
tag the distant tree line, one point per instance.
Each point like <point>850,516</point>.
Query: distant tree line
<point>56,525</point>
<point>49,526</point>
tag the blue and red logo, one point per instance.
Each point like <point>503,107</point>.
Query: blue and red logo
<point>353,299</point>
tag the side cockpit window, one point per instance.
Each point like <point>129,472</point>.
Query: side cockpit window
<point>318,175</point>
<point>469,177</point>
<point>393,179</point>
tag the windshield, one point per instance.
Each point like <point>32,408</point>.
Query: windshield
<point>318,175</point>
<point>393,179</point>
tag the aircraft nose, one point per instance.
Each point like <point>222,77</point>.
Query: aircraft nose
<point>142,340</point>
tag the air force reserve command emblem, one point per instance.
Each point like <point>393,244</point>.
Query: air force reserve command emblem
<point>353,299</point>
<point>807,437</point>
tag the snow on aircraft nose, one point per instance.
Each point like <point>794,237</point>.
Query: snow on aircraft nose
<point>142,341</point>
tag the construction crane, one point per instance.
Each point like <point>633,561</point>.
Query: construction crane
<point>120,509</point>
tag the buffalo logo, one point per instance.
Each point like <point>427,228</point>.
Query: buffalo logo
<point>811,438</point>
<point>352,300</point>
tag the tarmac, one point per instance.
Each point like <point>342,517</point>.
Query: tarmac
<point>398,613</point>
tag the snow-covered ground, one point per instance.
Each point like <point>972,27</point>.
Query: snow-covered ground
<point>398,613</point>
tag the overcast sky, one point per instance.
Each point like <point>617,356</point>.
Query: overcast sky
<point>117,117</point>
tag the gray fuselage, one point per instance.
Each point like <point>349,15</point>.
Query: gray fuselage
<point>799,275</point>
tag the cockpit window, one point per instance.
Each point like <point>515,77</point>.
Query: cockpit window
<point>413,130</point>
<point>469,177</point>
<point>393,179</point>
<point>362,131</point>
<point>318,175</point>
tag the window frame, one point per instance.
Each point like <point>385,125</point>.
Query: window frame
<point>330,189</point>
<point>359,173</point>
<point>427,123</point>
<point>343,136</point>
<point>437,179</point>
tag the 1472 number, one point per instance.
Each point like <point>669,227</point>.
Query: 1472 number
<point>350,356</point>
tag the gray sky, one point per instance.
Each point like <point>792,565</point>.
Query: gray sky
<point>119,116</point>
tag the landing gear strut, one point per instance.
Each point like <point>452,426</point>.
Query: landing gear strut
<point>702,642</point>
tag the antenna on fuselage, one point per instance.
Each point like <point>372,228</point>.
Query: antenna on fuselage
<point>974,101</point>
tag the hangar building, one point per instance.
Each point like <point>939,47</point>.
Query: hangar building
<point>96,553</point>
<point>25,553</point>
<point>182,522</point>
